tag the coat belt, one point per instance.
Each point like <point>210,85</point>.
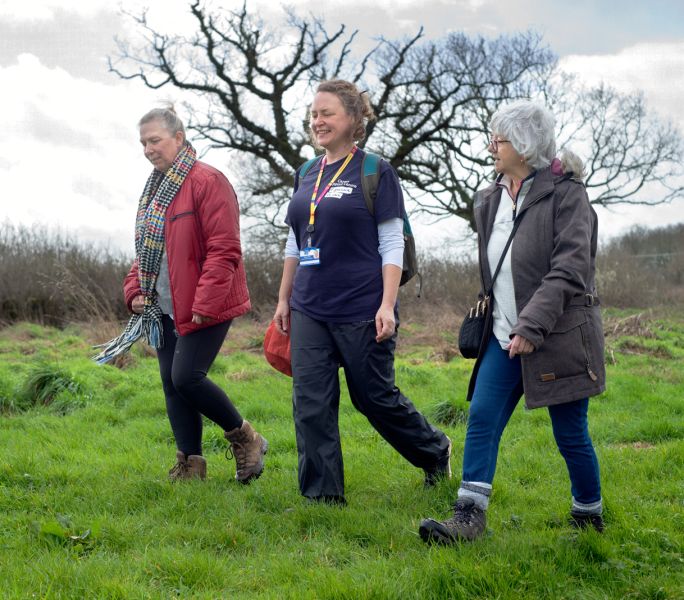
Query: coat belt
<point>585,300</point>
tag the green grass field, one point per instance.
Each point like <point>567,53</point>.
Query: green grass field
<point>86,510</point>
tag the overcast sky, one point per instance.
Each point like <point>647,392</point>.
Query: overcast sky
<point>69,153</point>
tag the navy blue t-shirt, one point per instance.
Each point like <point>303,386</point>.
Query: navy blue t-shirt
<point>347,284</point>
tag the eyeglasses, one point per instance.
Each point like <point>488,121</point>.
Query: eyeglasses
<point>494,144</point>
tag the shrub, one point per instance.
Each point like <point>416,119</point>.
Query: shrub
<point>52,279</point>
<point>45,383</point>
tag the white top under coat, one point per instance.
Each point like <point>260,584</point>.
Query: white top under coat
<point>390,243</point>
<point>505,309</point>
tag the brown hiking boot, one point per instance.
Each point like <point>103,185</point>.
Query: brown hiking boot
<point>468,523</point>
<point>188,467</point>
<point>248,447</point>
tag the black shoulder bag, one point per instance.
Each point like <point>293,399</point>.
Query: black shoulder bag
<point>473,327</point>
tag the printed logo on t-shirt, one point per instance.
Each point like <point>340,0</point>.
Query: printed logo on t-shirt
<point>341,187</point>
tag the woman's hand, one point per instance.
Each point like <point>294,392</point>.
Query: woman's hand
<point>201,319</point>
<point>385,323</point>
<point>138,304</point>
<point>519,345</point>
<point>282,317</point>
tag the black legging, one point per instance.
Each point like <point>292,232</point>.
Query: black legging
<point>183,365</point>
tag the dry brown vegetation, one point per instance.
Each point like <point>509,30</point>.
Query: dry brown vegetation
<point>53,280</point>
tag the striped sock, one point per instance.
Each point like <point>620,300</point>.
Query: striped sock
<point>593,508</point>
<point>478,491</point>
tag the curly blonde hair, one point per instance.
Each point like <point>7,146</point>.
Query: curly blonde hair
<point>356,104</point>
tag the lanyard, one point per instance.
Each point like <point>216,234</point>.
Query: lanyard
<point>316,200</point>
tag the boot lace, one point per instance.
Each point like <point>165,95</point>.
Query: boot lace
<point>463,515</point>
<point>237,451</point>
<point>179,469</point>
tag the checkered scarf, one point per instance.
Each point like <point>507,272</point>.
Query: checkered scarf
<point>159,192</point>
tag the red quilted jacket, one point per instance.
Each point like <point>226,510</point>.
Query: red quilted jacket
<point>202,234</point>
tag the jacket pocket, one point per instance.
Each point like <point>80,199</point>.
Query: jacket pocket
<point>191,236</point>
<point>565,352</point>
<point>187,213</point>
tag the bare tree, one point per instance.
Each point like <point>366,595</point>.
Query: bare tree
<point>250,84</point>
<point>247,83</point>
<point>630,150</point>
<point>435,124</point>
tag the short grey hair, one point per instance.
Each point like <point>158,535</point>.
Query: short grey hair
<point>529,127</point>
<point>167,117</point>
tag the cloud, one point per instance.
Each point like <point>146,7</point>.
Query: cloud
<point>50,103</point>
<point>46,10</point>
<point>53,131</point>
<point>95,189</point>
<point>69,149</point>
<point>657,69</point>
<point>69,153</point>
<point>579,27</point>
<point>74,42</point>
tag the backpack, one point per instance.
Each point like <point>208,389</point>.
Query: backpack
<point>369,184</point>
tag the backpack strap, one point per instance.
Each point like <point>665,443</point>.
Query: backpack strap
<point>370,176</point>
<point>301,172</point>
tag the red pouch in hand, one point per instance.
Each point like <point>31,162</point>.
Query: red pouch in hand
<point>277,350</point>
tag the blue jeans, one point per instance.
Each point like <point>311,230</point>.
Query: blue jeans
<point>497,391</point>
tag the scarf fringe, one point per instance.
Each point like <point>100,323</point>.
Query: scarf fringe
<point>121,344</point>
<point>138,327</point>
<point>152,331</point>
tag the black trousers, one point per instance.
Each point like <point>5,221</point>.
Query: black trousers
<point>318,350</point>
<point>183,365</point>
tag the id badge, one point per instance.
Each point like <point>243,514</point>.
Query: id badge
<point>309,256</point>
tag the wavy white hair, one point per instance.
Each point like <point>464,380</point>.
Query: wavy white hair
<point>530,129</point>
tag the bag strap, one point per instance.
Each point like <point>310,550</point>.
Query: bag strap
<point>301,172</point>
<point>370,175</point>
<point>503,254</point>
<point>304,169</point>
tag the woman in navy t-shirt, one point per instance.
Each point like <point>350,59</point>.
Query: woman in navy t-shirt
<point>338,301</point>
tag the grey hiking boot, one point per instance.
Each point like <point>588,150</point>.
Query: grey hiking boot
<point>248,447</point>
<point>467,524</point>
<point>192,466</point>
<point>442,470</point>
<point>581,520</point>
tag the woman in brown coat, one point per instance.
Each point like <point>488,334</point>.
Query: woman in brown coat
<point>544,335</point>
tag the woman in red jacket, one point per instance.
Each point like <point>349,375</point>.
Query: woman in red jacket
<point>186,285</point>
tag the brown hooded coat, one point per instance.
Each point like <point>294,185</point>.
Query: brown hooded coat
<point>553,263</point>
